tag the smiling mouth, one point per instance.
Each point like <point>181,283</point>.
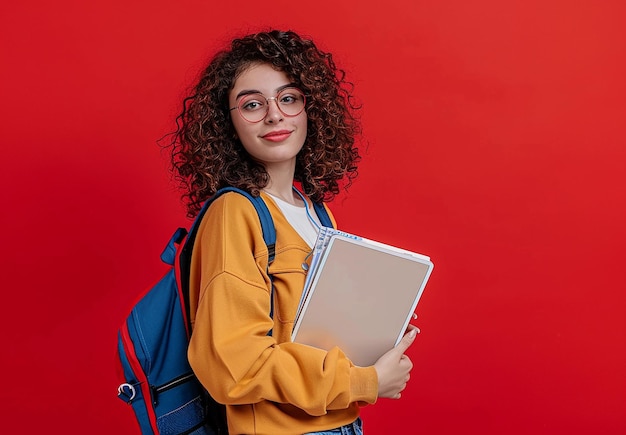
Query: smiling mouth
<point>277,136</point>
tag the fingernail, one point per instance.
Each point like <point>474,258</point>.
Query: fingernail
<point>413,333</point>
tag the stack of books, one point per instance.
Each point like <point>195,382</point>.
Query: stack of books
<point>359,295</point>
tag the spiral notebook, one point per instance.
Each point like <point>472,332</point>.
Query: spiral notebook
<point>359,295</point>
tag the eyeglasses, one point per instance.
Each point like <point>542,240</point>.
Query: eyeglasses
<point>254,107</point>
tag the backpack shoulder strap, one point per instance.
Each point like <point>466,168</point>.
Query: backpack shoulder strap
<point>320,210</point>
<point>184,259</point>
<point>267,223</point>
<point>322,214</point>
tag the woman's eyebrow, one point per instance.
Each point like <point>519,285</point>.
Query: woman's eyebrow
<point>255,91</point>
<point>288,85</point>
<point>247,92</point>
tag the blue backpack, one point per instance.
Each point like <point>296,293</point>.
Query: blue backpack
<point>158,382</point>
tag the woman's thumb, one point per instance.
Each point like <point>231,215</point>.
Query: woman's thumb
<point>407,340</point>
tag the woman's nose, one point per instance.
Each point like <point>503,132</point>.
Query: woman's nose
<point>273,112</point>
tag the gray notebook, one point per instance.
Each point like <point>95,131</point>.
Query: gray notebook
<point>360,296</point>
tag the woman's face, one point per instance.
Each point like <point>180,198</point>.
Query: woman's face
<point>276,139</point>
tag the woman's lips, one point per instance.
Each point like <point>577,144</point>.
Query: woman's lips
<point>277,136</point>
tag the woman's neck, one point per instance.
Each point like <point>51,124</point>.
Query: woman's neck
<point>281,184</point>
<point>289,195</point>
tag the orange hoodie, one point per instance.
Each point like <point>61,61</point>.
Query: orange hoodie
<point>268,384</point>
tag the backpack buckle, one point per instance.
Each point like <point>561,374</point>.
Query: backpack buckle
<point>126,392</point>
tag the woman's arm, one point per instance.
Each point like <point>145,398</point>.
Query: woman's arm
<point>230,350</point>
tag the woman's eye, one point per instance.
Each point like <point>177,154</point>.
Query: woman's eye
<point>251,106</point>
<point>288,99</point>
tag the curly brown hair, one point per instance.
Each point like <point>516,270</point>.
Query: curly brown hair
<point>205,152</point>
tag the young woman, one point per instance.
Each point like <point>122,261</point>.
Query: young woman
<point>271,110</point>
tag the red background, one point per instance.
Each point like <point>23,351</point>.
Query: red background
<point>496,146</point>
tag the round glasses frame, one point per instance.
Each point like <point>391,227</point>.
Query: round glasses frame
<point>276,99</point>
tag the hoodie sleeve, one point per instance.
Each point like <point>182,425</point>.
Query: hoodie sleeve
<point>231,351</point>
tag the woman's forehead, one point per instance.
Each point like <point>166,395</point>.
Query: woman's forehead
<point>261,77</point>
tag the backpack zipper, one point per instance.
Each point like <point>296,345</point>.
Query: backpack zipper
<point>156,389</point>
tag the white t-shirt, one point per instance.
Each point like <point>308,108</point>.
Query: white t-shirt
<point>299,220</point>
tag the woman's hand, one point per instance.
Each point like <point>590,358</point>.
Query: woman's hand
<point>394,367</point>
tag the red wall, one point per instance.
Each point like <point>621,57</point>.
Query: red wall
<point>496,145</point>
